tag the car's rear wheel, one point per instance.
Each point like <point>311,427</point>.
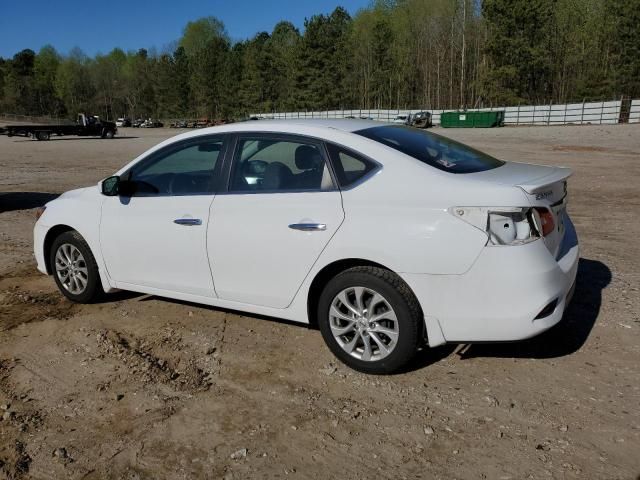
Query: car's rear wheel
<point>43,135</point>
<point>370,319</point>
<point>74,268</point>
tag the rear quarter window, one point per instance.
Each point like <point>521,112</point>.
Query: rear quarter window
<point>349,167</point>
<point>439,152</point>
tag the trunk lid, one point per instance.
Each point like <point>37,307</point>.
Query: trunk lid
<point>543,185</point>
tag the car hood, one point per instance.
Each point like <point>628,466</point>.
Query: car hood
<point>78,192</point>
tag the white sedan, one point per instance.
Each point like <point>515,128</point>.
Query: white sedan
<point>384,236</point>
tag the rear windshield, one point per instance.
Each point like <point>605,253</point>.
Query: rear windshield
<point>432,149</point>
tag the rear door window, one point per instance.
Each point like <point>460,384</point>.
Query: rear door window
<point>269,164</point>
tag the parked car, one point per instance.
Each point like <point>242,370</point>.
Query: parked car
<point>137,123</point>
<point>385,236</point>
<point>402,119</point>
<point>421,120</point>
<point>179,124</point>
<point>149,123</point>
<point>123,122</point>
<point>202,123</point>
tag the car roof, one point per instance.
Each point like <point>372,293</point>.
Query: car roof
<point>343,124</point>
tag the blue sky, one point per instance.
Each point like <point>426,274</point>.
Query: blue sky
<point>99,26</point>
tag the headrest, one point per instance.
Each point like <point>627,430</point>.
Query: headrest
<point>308,157</point>
<point>277,175</point>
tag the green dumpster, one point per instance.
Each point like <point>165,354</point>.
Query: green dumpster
<point>472,119</point>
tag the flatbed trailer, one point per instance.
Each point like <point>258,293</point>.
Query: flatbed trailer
<point>85,126</point>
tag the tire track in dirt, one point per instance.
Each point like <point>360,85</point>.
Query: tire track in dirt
<point>18,421</point>
<point>18,306</point>
<point>182,374</point>
<point>26,296</point>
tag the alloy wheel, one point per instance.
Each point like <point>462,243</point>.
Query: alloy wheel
<point>364,323</point>
<point>71,269</point>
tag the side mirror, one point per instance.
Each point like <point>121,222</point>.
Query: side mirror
<point>110,186</point>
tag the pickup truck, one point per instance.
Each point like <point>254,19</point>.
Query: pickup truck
<point>85,126</point>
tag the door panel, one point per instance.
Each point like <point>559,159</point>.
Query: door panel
<point>155,236</point>
<point>143,245</point>
<point>280,211</point>
<point>256,257</point>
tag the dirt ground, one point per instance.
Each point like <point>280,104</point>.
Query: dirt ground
<point>143,387</point>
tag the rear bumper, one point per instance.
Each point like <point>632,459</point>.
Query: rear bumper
<point>499,298</point>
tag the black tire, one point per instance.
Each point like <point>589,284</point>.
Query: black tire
<point>109,134</point>
<point>93,290</point>
<point>406,307</point>
<point>43,135</point>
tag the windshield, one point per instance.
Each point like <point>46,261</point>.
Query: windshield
<point>439,152</point>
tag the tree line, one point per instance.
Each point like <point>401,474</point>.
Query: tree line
<point>430,54</point>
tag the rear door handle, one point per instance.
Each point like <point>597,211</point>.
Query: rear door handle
<point>189,222</point>
<point>308,227</point>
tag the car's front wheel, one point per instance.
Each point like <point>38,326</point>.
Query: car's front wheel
<point>370,319</point>
<point>74,268</point>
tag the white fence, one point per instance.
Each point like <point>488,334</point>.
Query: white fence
<point>597,113</point>
<point>634,112</point>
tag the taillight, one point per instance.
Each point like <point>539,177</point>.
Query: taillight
<point>503,225</point>
<point>547,223</point>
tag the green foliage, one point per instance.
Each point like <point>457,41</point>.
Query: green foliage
<point>519,48</point>
<point>73,83</point>
<point>18,82</point>
<point>45,69</point>
<point>625,45</point>
<point>171,88</point>
<point>393,54</point>
<point>284,43</point>
<point>321,78</point>
<point>198,35</point>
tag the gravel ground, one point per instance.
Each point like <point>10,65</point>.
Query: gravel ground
<point>144,387</point>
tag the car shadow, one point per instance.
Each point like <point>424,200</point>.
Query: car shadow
<point>570,334</point>
<point>427,356</point>
<point>10,201</point>
<point>119,296</point>
<point>147,298</point>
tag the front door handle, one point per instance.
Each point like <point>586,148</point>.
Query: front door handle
<point>308,227</point>
<point>189,222</point>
